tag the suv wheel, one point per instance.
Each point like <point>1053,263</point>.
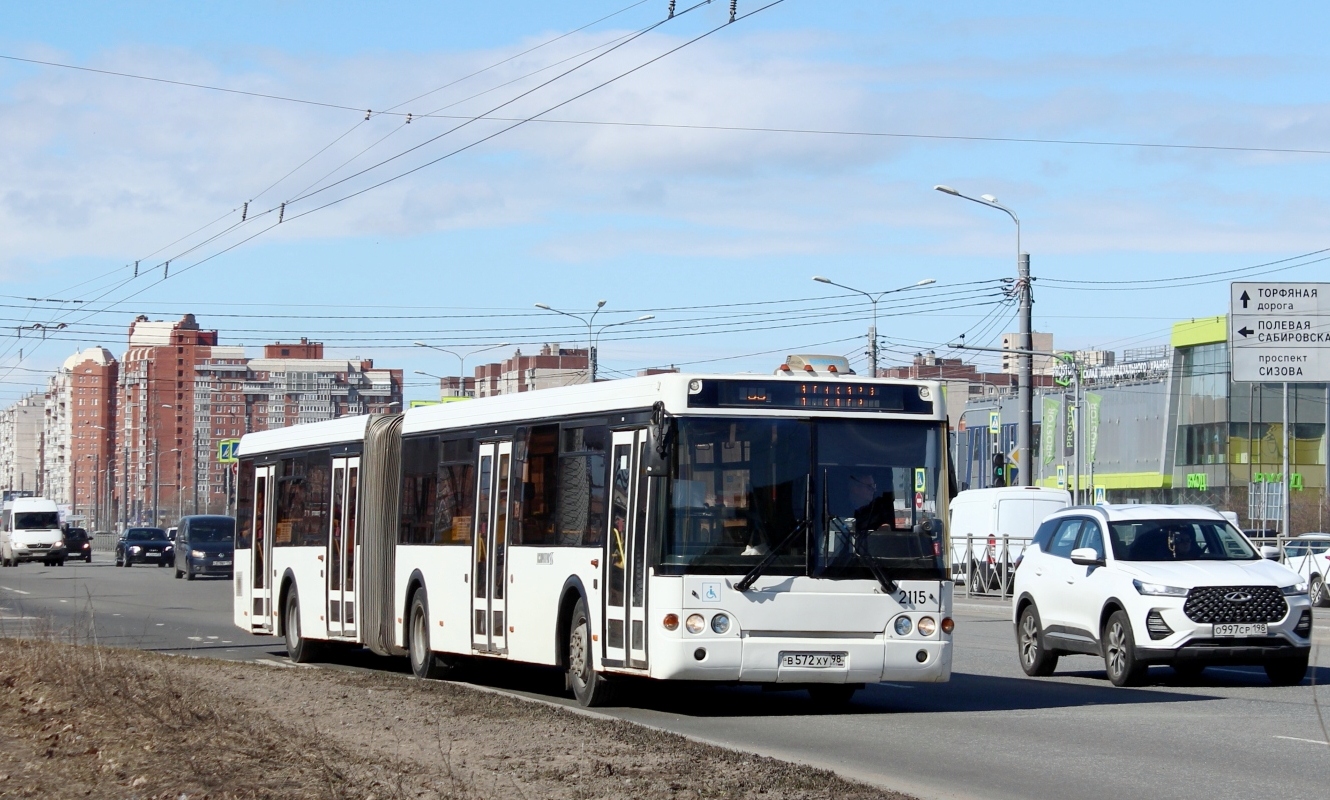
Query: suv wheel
<point>1120,651</point>
<point>1317,592</point>
<point>1036,659</point>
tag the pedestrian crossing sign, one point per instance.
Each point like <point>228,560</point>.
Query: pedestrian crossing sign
<point>226,451</point>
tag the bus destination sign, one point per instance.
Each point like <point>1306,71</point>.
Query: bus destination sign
<point>811,395</point>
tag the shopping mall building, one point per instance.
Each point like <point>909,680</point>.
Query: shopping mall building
<point>1173,428</point>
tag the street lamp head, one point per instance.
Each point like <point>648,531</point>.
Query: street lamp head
<point>821,279</point>
<point>926,281</point>
<point>645,317</point>
<point>503,344</point>
<point>947,190</point>
<point>542,305</point>
<point>600,304</point>
<point>420,344</point>
<point>988,198</point>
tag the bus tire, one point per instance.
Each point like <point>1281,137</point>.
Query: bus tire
<point>425,663</point>
<point>298,648</point>
<point>590,687</point>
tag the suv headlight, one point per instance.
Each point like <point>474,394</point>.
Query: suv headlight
<point>1295,589</point>
<point>198,554</point>
<point>135,549</point>
<point>1158,589</point>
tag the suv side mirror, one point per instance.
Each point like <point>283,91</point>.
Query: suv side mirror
<point>1270,552</point>
<point>1086,557</point>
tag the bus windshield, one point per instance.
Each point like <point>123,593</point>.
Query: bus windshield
<point>861,490</point>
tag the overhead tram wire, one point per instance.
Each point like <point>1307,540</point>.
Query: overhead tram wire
<point>469,120</point>
<point>1187,280</point>
<point>486,138</point>
<point>357,110</point>
<point>1114,143</point>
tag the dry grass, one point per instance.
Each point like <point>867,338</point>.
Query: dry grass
<point>87,721</point>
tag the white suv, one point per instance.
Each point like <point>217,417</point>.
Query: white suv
<point>1154,584</point>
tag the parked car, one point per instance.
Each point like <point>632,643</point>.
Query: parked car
<point>31,532</point>
<point>1152,584</point>
<point>1309,556</point>
<point>205,545</point>
<point>78,544</point>
<point>988,515</point>
<point>144,545</point>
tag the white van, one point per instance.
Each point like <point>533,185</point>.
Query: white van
<point>31,532</point>
<point>987,515</point>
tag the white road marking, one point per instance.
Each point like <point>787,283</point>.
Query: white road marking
<point>896,685</point>
<point>195,638</point>
<point>15,591</point>
<point>212,638</point>
<point>64,601</point>
<point>1308,741</point>
<point>161,624</point>
<point>226,641</point>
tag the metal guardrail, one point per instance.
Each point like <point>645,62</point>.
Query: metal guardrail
<point>990,568</point>
<point>103,542</point>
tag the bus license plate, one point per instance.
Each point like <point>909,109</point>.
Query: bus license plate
<point>813,660</point>
<point>1241,629</point>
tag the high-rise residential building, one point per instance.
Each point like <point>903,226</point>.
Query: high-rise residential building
<point>294,384</point>
<point>21,443</point>
<point>155,416</point>
<point>78,449</point>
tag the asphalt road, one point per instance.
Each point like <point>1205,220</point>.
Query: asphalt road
<point>989,733</point>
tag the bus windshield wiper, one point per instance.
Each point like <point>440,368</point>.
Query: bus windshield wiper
<point>859,546</point>
<point>753,574</point>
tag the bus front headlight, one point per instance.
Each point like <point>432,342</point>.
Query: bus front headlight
<point>927,626</point>
<point>720,623</point>
<point>695,623</point>
<point>903,626</point>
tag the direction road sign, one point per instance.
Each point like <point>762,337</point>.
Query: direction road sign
<point>1280,332</point>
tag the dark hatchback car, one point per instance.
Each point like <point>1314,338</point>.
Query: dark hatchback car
<point>205,545</point>
<point>78,544</point>
<point>144,545</point>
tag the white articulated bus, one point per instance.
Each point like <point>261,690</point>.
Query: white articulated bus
<point>772,530</point>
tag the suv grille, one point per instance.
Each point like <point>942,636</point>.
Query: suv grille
<point>1210,604</point>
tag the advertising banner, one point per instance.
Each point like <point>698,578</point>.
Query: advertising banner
<point>1048,430</point>
<point>1091,425</point>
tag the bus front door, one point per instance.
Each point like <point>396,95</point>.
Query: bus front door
<point>626,553</point>
<point>261,556</point>
<point>341,557</point>
<point>489,574</point>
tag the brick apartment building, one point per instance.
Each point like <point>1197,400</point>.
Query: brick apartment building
<point>78,448</point>
<point>552,366</point>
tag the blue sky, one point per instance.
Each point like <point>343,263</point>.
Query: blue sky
<point>99,171</point>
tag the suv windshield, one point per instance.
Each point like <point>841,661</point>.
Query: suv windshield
<point>1179,540</point>
<point>145,535</point>
<point>33,520</point>
<point>222,530</point>
<point>741,486</point>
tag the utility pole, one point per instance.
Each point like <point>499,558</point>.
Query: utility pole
<point>124,485</point>
<point>196,471</point>
<point>1285,530</point>
<point>156,479</point>
<point>1025,378</point>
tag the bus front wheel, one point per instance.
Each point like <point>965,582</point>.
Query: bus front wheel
<point>590,687</point>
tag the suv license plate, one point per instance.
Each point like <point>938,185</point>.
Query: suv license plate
<point>221,563</point>
<point>813,660</point>
<point>1241,629</point>
<point>152,555</point>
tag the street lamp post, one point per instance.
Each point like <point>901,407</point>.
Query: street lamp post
<point>1025,373</point>
<point>461,361</point>
<point>873,300</point>
<point>595,345</point>
<point>590,339</point>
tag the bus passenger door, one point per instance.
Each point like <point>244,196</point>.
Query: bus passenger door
<point>626,551</point>
<point>342,548</point>
<point>489,574</point>
<point>261,556</point>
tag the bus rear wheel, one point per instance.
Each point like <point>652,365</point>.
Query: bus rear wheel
<point>425,663</point>
<point>590,687</point>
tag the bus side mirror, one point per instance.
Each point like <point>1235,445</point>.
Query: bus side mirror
<point>660,441</point>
